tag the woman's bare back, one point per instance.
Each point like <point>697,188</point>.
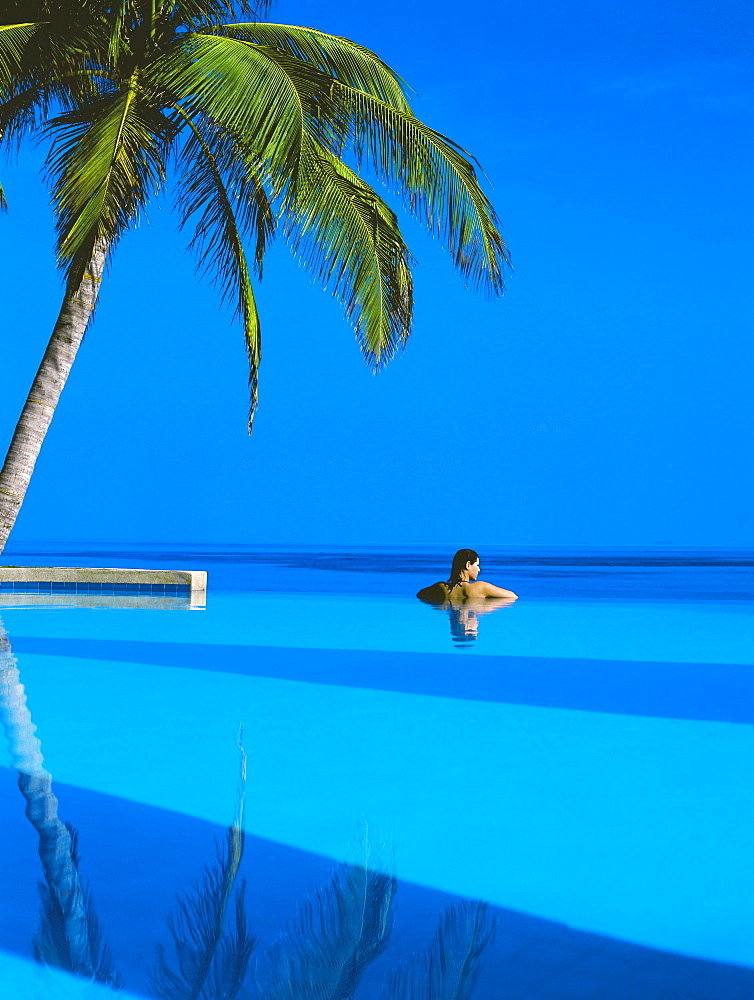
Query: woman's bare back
<point>462,592</point>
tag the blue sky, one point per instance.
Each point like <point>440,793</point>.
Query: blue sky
<point>606,399</point>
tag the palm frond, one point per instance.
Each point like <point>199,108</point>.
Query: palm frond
<point>339,226</point>
<point>21,114</point>
<point>349,237</point>
<point>63,40</point>
<point>13,40</point>
<point>119,17</point>
<point>45,64</point>
<point>106,161</point>
<point>448,968</point>
<point>210,959</point>
<point>3,200</point>
<point>437,182</point>
<point>198,14</point>
<point>223,191</point>
<point>265,99</point>
<point>52,943</point>
<point>333,55</point>
<point>333,939</point>
<point>29,108</point>
<point>27,111</point>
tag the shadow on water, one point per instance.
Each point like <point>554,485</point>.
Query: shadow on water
<point>323,953</point>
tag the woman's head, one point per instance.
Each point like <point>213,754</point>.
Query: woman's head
<point>462,561</point>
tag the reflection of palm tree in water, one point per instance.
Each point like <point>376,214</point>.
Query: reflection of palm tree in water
<point>69,936</point>
<point>324,952</point>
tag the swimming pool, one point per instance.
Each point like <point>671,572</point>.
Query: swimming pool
<point>580,760</point>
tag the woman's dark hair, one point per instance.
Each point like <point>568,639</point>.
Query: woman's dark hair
<point>460,559</point>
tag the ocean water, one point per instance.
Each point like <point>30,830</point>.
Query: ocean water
<point>563,783</point>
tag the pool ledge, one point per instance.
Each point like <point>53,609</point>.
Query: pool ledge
<point>67,578</point>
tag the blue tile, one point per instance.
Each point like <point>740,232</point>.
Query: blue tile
<point>95,588</point>
<point>6,587</point>
<point>58,588</point>
<point>184,590</point>
<point>132,588</point>
<point>45,587</point>
<point>69,588</point>
<point>120,588</point>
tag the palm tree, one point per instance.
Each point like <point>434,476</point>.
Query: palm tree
<point>265,126</point>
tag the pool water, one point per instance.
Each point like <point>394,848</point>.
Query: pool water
<point>579,760</point>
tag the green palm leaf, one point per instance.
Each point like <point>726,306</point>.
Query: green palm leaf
<point>26,111</point>
<point>13,40</point>
<point>437,182</point>
<point>63,39</point>
<point>263,98</point>
<point>106,160</point>
<point>42,64</point>
<point>337,57</point>
<point>201,13</point>
<point>225,194</point>
<point>119,19</point>
<point>346,234</point>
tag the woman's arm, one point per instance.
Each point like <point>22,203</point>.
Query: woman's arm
<point>485,589</point>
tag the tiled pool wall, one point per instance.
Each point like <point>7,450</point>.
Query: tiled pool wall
<point>105,589</point>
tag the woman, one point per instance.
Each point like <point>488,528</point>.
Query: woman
<point>463,585</point>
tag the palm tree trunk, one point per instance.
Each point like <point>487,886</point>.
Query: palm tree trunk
<point>36,416</point>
